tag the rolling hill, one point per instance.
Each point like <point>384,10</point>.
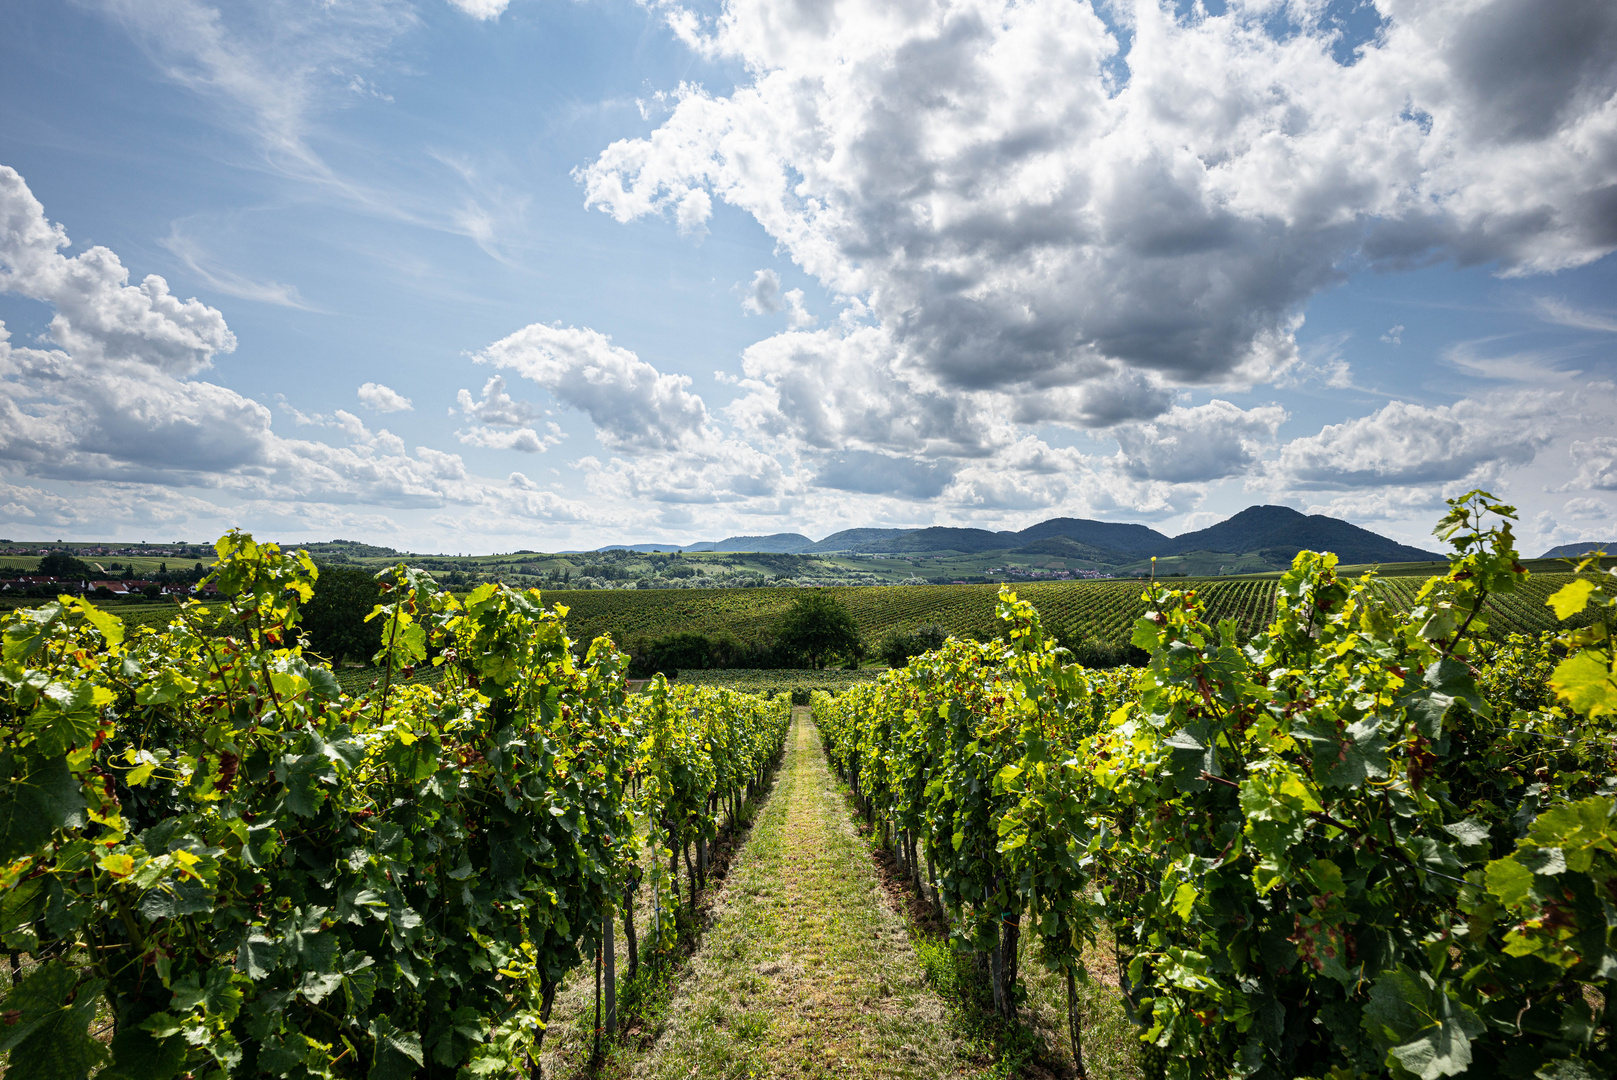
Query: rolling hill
<point>1261,537</point>
<point>1572,551</point>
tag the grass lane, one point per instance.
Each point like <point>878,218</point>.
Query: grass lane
<point>806,970</point>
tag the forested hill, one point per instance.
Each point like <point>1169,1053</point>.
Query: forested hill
<point>1276,533</point>
<point>1572,551</point>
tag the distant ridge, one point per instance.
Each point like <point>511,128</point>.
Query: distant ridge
<point>1572,551</point>
<point>1276,533</point>
<point>1280,528</point>
<point>775,543</point>
<point>849,539</point>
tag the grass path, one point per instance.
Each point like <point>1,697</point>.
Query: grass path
<point>806,970</point>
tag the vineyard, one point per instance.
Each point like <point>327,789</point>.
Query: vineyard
<point>233,866</point>
<point>1070,611</point>
<point>1360,829</point>
<point>1334,852</point>
<point>796,683</point>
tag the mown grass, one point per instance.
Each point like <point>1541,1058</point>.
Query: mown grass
<point>805,971</point>
<point>643,1001</point>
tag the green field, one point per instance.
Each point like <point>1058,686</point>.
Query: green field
<point>1073,610</point>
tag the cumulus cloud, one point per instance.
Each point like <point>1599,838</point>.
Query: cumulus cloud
<point>1587,509</point>
<point>500,422</point>
<point>524,440</point>
<point>1026,209</point>
<point>1394,336</point>
<point>496,408</point>
<point>482,9</point>
<point>110,396</point>
<point>1596,461</point>
<point>632,404</point>
<point>100,317</point>
<point>1404,443</point>
<point>881,474</point>
<point>384,399</point>
<point>1207,442</point>
<point>763,296</point>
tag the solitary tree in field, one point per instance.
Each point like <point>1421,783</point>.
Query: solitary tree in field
<point>817,627</point>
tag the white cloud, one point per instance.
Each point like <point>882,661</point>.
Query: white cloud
<point>1588,509</point>
<point>1395,336</point>
<point>384,399</point>
<point>482,9</point>
<point>1207,442</point>
<point>632,404</point>
<point>1025,211</point>
<point>99,316</point>
<point>1596,461</point>
<point>273,68</point>
<point>797,316</point>
<point>1404,443</point>
<point>523,439</point>
<point>110,403</point>
<point>763,296</point>
<point>1564,314</point>
<point>229,281</point>
<point>497,408</point>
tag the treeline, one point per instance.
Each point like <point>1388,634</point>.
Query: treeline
<point>816,630</point>
<point>1360,844</point>
<point>255,874</point>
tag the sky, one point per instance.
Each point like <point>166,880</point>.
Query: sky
<point>489,275</point>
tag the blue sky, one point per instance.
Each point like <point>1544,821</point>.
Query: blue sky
<point>549,274</point>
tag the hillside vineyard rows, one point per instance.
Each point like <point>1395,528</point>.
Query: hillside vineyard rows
<point>1071,611</point>
<point>1360,839</point>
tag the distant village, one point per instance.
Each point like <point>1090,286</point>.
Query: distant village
<point>93,571</point>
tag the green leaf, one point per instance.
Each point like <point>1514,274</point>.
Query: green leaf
<point>1471,834</point>
<point>67,718</point>
<point>27,630</point>
<point>1584,681</point>
<point>1571,598</point>
<point>51,1040</point>
<point>1509,880</point>
<point>1419,1024</point>
<point>37,797</point>
<point>257,957</point>
<point>324,683</point>
<point>302,776</point>
<point>110,626</point>
<point>1145,635</point>
<point>137,1054</point>
<point>398,1053</point>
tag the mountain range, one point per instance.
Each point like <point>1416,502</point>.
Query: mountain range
<point>1572,551</point>
<point>1276,533</point>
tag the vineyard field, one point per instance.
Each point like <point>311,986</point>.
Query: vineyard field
<point>1073,610</point>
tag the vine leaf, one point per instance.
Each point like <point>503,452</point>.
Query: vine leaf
<point>36,798</point>
<point>50,1039</point>
<point>398,1053</point>
<point>1423,1029</point>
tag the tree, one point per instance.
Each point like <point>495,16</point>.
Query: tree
<point>334,618</point>
<point>818,627</point>
<point>899,645</point>
<point>62,564</point>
